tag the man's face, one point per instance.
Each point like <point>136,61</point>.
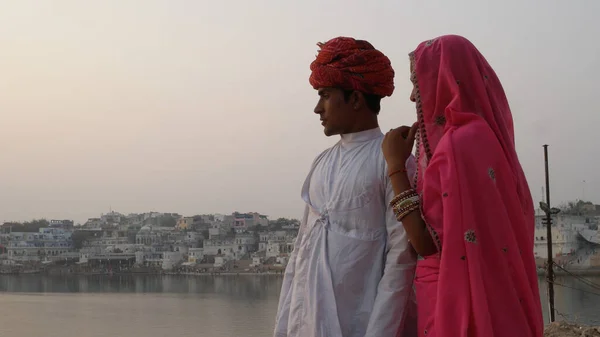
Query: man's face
<point>335,111</point>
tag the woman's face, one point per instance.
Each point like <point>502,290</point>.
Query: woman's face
<point>413,79</point>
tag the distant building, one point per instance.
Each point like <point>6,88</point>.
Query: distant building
<point>65,224</point>
<point>171,259</point>
<point>195,255</point>
<point>184,223</point>
<point>48,243</point>
<point>246,221</point>
<point>93,223</point>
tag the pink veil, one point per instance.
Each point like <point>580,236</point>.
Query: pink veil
<point>475,200</point>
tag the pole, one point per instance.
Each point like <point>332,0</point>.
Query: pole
<point>550,266</point>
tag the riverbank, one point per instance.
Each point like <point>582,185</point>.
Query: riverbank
<point>66,271</point>
<point>564,329</point>
<point>141,273</point>
<point>577,272</point>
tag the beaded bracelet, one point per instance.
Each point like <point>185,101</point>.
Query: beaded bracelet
<point>405,202</point>
<point>406,194</point>
<point>398,210</point>
<point>407,211</point>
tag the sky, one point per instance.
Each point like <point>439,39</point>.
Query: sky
<point>205,107</point>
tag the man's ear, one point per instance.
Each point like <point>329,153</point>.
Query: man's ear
<point>357,100</point>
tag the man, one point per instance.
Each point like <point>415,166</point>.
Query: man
<point>351,271</point>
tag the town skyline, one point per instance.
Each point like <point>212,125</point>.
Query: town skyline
<point>81,222</point>
<point>148,242</point>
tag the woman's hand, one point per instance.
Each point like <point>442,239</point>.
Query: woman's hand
<point>398,145</point>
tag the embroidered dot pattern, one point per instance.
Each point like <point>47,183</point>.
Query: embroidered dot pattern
<point>470,236</point>
<point>440,120</point>
<point>492,174</point>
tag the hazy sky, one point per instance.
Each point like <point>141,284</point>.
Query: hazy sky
<point>204,106</point>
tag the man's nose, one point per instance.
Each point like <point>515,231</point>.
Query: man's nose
<point>318,109</point>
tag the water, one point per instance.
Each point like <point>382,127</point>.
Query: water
<point>156,306</point>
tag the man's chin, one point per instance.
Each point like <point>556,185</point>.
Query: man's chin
<point>329,133</point>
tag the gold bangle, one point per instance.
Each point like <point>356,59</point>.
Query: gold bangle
<point>401,216</point>
<point>408,193</point>
<point>399,210</point>
<point>406,201</point>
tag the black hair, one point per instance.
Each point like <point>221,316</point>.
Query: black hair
<point>373,101</point>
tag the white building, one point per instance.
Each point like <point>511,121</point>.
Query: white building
<point>193,239</point>
<point>148,236</point>
<point>230,248</point>
<point>220,261</point>
<point>563,241</point>
<point>276,242</point>
<point>257,261</point>
<point>246,243</point>
<point>217,231</point>
<point>149,258</point>
<point>195,255</point>
<point>48,243</point>
<point>276,248</point>
<point>219,247</point>
<point>171,259</point>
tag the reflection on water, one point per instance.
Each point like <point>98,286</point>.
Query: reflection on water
<point>236,287</point>
<point>573,299</point>
<point>145,306</point>
<point>152,306</point>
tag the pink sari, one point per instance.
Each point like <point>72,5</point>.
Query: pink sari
<point>475,200</point>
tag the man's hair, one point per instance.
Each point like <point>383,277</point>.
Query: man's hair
<point>373,101</point>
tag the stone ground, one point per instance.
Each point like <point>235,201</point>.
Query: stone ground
<point>564,329</point>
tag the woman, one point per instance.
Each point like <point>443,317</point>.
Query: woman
<point>468,211</point>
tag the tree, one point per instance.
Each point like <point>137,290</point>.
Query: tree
<point>167,221</point>
<point>282,222</point>
<point>80,237</point>
<point>578,207</point>
<point>30,226</point>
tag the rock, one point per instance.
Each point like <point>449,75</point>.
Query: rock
<point>565,329</point>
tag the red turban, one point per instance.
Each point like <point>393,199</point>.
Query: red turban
<point>351,64</point>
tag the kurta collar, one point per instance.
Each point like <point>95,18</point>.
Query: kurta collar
<point>362,136</point>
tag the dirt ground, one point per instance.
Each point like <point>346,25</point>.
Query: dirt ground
<point>563,329</point>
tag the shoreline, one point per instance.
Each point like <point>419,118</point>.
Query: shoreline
<point>540,273</point>
<point>576,272</point>
<point>40,273</point>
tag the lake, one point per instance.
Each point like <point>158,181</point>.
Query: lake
<point>156,306</point>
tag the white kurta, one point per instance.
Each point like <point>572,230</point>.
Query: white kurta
<point>351,271</point>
